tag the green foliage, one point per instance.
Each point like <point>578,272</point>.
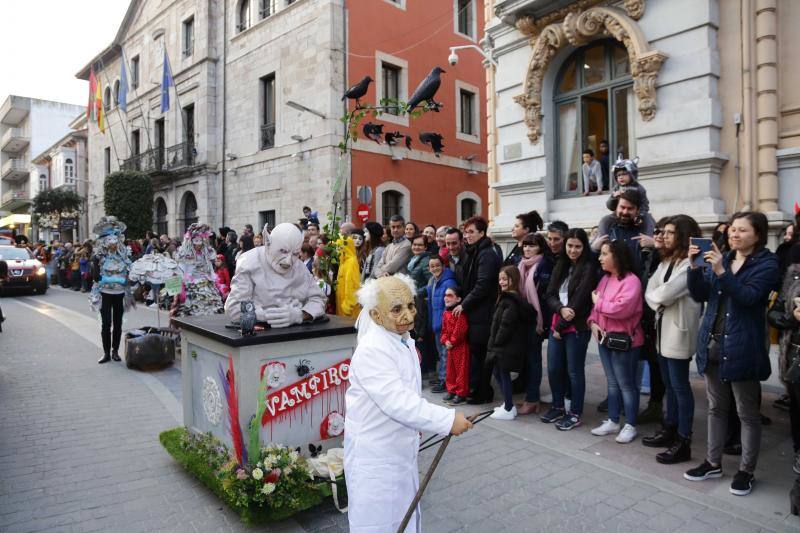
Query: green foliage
<point>329,261</point>
<point>57,201</point>
<point>241,487</point>
<point>352,119</point>
<point>129,197</point>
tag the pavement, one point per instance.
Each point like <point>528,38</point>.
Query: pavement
<point>79,451</point>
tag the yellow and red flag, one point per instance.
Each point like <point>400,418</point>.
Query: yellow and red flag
<point>99,105</point>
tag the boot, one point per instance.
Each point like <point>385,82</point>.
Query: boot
<point>105,359</point>
<point>115,355</point>
<point>652,413</point>
<point>679,452</point>
<point>663,438</point>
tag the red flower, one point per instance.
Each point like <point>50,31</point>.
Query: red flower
<point>273,476</point>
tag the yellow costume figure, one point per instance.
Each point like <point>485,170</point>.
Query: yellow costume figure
<point>349,279</point>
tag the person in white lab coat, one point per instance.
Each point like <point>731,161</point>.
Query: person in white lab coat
<point>385,411</point>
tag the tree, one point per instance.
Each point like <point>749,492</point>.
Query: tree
<point>129,197</point>
<point>51,205</point>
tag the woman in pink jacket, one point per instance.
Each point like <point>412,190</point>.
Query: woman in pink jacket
<point>618,313</point>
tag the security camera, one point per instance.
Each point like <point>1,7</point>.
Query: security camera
<point>453,59</point>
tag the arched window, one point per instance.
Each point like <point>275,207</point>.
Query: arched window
<point>468,204</point>
<point>160,226</point>
<point>593,102</point>
<point>469,208</point>
<point>42,182</point>
<point>107,99</point>
<point>243,21</point>
<point>69,171</point>
<point>392,205</point>
<point>189,210</point>
<point>116,93</point>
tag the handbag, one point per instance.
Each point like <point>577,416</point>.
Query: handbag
<point>617,341</point>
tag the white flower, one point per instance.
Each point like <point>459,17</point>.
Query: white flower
<point>268,488</point>
<point>258,473</point>
<point>287,470</point>
<point>258,464</point>
<point>293,456</point>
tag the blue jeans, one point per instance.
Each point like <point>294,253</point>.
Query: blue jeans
<point>570,348</point>
<point>534,366</point>
<point>504,378</point>
<point>620,369</point>
<point>442,351</point>
<point>680,400</point>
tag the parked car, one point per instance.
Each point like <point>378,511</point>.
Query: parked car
<point>24,272</point>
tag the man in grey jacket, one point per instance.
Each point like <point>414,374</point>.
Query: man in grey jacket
<point>395,257</point>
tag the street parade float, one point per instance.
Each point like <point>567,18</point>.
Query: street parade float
<point>264,387</point>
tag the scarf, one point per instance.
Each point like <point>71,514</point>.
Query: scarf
<point>527,287</point>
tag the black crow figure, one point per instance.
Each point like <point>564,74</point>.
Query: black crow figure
<point>408,142</point>
<point>392,137</point>
<point>426,90</point>
<point>434,139</point>
<point>373,131</point>
<point>358,90</point>
<point>248,318</point>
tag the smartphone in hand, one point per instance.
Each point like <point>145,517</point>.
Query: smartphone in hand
<point>705,246</point>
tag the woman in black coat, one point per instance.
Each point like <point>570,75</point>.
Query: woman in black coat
<point>569,297</point>
<point>513,318</point>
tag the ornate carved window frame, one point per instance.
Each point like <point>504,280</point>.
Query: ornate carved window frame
<point>580,25</point>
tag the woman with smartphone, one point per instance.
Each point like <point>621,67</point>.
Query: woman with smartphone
<point>732,348</point>
<point>677,323</point>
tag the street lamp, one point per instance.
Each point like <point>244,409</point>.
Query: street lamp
<point>301,107</point>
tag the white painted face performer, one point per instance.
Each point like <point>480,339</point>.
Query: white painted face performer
<point>277,281</point>
<point>385,411</point>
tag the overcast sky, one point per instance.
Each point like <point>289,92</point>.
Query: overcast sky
<point>43,43</point>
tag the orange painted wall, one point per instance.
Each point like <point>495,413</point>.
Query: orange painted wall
<point>421,35</point>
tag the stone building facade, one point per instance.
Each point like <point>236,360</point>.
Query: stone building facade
<point>253,134</point>
<point>700,90</point>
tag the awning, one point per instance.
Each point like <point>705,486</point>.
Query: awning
<point>15,219</point>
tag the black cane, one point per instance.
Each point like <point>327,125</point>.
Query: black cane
<point>429,475</point>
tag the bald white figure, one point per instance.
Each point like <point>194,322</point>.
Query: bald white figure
<point>278,283</point>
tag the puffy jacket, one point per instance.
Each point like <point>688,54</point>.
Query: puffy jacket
<point>479,283</point>
<point>511,324</point>
<point>744,354</point>
<point>436,289</point>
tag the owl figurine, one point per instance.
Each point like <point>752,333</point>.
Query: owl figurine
<point>248,319</point>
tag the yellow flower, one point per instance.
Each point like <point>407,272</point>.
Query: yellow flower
<point>258,473</point>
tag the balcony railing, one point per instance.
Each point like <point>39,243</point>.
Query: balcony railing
<point>162,159</point>
<point>180,155</point>
<point>15,195</point>
<point>14,168</point>
<point>14,140</point>
<point>267,136</point>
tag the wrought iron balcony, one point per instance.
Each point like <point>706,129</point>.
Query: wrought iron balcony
<point>267,136</point>
<point>179,156</point>
<point>144,162</point>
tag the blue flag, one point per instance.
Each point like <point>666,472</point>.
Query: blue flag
<point>166,83</point>
<point>122,95</point>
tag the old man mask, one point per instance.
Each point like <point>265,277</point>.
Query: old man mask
<point>393,307</point>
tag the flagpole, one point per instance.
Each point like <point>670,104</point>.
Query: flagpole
<point>122,123</point>
<point>139,103</point>
<point>111,133</point>
<point>177,98</point>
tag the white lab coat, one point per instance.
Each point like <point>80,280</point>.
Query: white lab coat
<point>256,280</point>
<point>385,413</point>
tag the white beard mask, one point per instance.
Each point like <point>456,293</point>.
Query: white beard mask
<point>283,247</point>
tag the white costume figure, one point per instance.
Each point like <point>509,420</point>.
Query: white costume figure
<point>277,281</point>
<point>196,259</point>
<point>385,411</point>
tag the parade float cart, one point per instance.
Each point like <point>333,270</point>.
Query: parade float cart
<point>306,368</point>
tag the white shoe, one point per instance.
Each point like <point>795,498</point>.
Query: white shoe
<point>502,414</point>
<point>606,428</point>
<point>627,434</point>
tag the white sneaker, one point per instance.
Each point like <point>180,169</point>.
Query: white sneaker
<point>501,406</point>
<point>502,414</point>
<point>627,434</point>
<point>606,428</point>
